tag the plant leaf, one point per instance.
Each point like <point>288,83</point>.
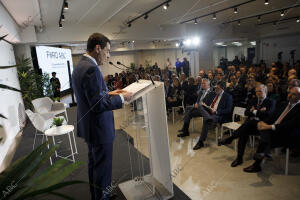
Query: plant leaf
<point>9,88</point>
<point>48,189</point>
<point>2,116</point>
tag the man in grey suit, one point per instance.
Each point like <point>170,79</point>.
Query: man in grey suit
<point>206,95</point>
<point>95,121</point>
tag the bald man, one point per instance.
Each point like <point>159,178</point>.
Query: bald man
<point>279,129</point>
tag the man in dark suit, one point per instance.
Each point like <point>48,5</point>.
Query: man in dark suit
<point>279,129</point>
<point>206,95</point>
<point>95,122</point>
<point>259,109</point>
<point>219,111</point>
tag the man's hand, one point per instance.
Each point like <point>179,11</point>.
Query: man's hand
<point>263,126</point>
<point>252,108</point>
<point>213,112</point>
<point>196,105</point>
<point>116,92</point>
<point>263,109</point>
<point>127,95</point>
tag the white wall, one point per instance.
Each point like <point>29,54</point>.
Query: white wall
<point>10,100</point>
<point>270,47</point>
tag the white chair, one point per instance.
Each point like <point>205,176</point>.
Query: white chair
<point>46,105</point>
<point>173,109</point>
<point>41,122</point>
<point>237,111</point>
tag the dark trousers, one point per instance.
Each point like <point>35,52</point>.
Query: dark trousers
<point>207,119</point>
<point>189,114</point>
<point>178,70</point>
<point>100,170</point>
<point>246,129</point>
<point>186,72</point>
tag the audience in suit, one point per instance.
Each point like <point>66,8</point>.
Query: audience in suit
<point>219,111</point>
<point>206,95</point>
<point>258,109</point>
<point>274,130</point>
<point>174,97</point>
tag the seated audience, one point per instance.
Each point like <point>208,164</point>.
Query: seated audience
<point>219,111</point>
<point>258,109</point>
<point>174,97</point>
<point>206,95</point>
<point>274,130</point>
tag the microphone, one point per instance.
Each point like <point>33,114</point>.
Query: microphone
<point>151,78</point>
<point>115,65</point>
<point>119,63</point>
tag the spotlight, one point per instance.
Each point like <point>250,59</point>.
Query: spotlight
<point>62,17</point>
<point>146,16</point>
<point>258,18</point>
<point>196,41</point>
<point>282,13</point>
<point>132,41</point>
<point>60,25</point>
<point>235,10</point>
<point>214,16</point>
<point>187,42</point>
<point>129,25</point>
<point>177,44</point>
<point>266,2</point>
<point>66,6</point>
<point>166,6</point>
<point>298,20</point>
<point>195,22</point>
<point>239,22</point>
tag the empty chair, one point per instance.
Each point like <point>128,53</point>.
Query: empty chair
<point>46,105</point>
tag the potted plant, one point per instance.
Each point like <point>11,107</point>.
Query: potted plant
<point>58,122</point>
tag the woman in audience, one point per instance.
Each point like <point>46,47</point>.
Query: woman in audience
<point>272,91</point>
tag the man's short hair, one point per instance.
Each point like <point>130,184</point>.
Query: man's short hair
<point>221,84</point>
<point>207,80</point>
<point>296,82</point>
<point>53,73</point>
<point>263,87</point>
<point>97,39</point>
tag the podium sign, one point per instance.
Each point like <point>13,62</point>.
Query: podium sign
<point>158,184</point>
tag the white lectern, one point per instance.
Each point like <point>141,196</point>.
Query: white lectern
<point>158,184</point>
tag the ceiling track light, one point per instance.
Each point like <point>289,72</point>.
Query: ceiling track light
<point>66,5</point>
<point>166,6</point>
<point>195,22</point>
<point>62,17</point>
<point>145,15</point>
<point>60,25</point>
<point>298,20</point>
<point>282,13</point>
<point>259,19</point>
<point>266,2</point>
<point>214,16</point>
<point>235,10</point>
<point>239,22</point>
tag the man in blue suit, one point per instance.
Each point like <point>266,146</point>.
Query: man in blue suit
<point>206,95</point>
<point>95,121</point>
<point>219,111</point>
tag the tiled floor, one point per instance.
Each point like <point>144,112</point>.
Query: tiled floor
<point>206,173</point>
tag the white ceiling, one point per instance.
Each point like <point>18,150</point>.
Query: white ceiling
<point>110,16</point>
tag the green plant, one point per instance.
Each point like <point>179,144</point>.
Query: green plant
<point>18,181</point>
<point>132,66</point>
<point>58,121</point>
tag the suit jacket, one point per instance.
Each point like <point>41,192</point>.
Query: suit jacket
<point>268,103</point>
<point>224,110</point>
<point>290,122</point>
<point>95,121</point>
<point>208,98</point>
